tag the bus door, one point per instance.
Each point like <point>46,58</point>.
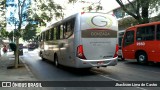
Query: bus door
<point>128,42</point>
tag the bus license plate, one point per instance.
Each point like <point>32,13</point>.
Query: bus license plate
<point>100,62</point>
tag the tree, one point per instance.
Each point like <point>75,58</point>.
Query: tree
<point>30,32</point>
<point>138,9</point>
<point>21,5</point>
<point>2,14</point>
<point>4,33</point>
<point>92,6</point>
<point>43,11</point>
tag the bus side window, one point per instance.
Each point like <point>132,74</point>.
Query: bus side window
<point>145,33</point>
<point>44,36</point>
<point>52,34</point>
<point>158,32</point>
<point>61,31</point>
<point>55,34</point>
<point>58,32</point>
<point>69,28</point>
<point>47,35</point>
<point>129,38</point>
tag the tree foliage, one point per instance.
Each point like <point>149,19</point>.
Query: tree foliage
<point>2,14</point>
<point>30,32</point>
<point>43,11</point>
<point>4,33</point>
<point>92,6</point>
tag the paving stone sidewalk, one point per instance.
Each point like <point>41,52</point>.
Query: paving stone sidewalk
<point>19,74</point>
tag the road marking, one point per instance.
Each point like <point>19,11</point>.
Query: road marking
<point>113,79</point>
<point>109,78</point>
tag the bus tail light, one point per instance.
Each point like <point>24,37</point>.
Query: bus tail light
<point>80,53</point>
<point>116,52</point>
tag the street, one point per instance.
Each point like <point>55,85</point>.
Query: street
<point>124,71</point>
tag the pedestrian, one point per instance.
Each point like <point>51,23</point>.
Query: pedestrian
<point>4,49</point>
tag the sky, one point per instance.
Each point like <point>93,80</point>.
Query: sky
<point>108,5</point>
<point>71,9</point>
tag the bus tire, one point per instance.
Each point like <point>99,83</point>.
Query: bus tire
<point>41,55</point>
<point>43,59</point>
<point>142,58</point>
<point>56,63</point>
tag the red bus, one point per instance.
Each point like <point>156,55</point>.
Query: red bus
<point>142,42</point>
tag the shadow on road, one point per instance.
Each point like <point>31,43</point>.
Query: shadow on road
<point>135,63</point>
<point>75,71</point>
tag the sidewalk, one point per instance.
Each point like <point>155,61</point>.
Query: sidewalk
<point>20,74</point>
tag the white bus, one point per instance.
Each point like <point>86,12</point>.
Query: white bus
<point>83,40</point>
<point>120,36</point>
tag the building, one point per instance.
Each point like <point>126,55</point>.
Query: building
<point>125,20</point>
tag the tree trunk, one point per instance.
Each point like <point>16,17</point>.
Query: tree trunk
<point>145,7</point>
<point>17,52</point>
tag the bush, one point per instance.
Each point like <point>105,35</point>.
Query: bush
<point>13,46</point>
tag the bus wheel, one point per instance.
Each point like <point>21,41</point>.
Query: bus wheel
<point>43,59</point>
<point>142,57</point>
<point>56,61</point>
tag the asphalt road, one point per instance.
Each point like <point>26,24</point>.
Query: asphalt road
<point>124,71</point>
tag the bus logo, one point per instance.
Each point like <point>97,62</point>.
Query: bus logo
<point>100,21</point>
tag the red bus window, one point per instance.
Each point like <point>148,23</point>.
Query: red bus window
<point>129,38</point>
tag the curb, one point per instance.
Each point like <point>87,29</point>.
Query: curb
<point>30,72</point>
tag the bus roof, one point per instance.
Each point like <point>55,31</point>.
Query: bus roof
<point>146,24</point>
<point>59,22</point>
<point>67,18</point>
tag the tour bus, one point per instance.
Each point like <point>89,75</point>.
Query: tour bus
<point>83,40</point>
<point>142,42</point>
<point>120,36</point>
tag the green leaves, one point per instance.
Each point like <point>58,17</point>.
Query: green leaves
<point>29,32</point>
<point>4,33</point>
<point>43,11</point>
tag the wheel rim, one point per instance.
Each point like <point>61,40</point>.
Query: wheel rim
<point>141,58</point>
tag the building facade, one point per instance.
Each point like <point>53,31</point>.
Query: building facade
<point>126,20</point>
